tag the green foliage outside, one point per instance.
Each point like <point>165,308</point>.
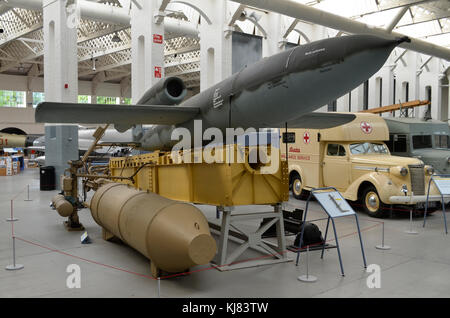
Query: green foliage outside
<point>127,101</point>
<point>83,99</point>
<point>12,99</point>
<point>106,100</point>
<point>17,99</point>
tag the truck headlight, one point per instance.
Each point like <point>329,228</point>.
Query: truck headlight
<point>429,170</point>
<point>399,171</point>
<point>403,171</point>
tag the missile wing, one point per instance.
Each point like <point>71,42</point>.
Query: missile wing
<point>321,120</point>
<point>113,114</point>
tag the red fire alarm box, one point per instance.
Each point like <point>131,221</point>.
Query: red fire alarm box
<point>157,38</point>
<point>158,72</point>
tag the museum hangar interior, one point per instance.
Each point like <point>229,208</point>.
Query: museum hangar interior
<point>178,149</point>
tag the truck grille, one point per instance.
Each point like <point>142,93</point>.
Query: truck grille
<point>417,179</point>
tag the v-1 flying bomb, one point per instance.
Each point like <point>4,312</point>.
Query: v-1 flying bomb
<point>282,89</point>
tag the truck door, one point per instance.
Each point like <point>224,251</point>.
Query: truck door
<point>336,167</point>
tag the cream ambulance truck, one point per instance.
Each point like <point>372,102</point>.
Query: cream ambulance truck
<point>354,159</point>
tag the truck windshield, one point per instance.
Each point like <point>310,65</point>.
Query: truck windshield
<point>422,142</point>
<point>368,148</point>
<point>442,141</point>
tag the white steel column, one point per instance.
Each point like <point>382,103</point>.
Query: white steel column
<point>272,24</point>
<point>60,83</point>
<point>147,47</point>
<point>215,43</point>
<point>60,51</point>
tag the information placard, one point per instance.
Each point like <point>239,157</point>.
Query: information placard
<point>443,185</point>
<point>334,204</point>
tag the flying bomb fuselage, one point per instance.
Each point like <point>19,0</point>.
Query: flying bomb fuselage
<point>282,88</point>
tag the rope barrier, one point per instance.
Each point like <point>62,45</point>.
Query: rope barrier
<point>184,273</point>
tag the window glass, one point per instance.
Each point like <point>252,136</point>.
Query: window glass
<point>38,98</point>
<point>335,150</point>
<point>422,142</point>
<point>107,100</point>
<point>12,99</point>
<point>399,143</point>
<point>442,141</point>
<point>368,148</point>
<point>289,138</point>
<point>84,99</point>
<point>126,101</point>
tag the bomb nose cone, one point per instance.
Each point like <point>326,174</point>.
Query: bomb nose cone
<point>202,249</point>
<point>359,43</point>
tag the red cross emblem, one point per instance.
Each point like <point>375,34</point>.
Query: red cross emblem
<point>366,127</point>
<point>306,138</point>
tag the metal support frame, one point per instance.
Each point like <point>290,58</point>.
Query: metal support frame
<point>330,218</point>
<point>249,240</point>
<point>442,200</point>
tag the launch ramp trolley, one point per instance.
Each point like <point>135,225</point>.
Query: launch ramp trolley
<point>442,183</point>
<point>225,186</point>
<point>229,231</point>
<point>335,206</point>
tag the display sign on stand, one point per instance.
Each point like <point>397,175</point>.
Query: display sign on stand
<point>442,183</point>
<point>335,206</point>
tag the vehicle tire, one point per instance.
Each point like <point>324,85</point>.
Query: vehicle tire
<point>297,188</point>
<point>372,203</point>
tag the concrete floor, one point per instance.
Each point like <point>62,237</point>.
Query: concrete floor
<point>416,266</point>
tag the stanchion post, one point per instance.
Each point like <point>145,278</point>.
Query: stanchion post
<point>159,287</point>
<point>382,246</point>
<point>12,218</point>
<point>28,193</point>
<point>411,231</point>
<point>14,266</point>
<point>307,278</point>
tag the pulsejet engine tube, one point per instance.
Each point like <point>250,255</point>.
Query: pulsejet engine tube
<point>175,236</point>
<point>169,91</point>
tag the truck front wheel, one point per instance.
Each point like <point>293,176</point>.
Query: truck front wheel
<point>297,189</point>
<point>372,203</point>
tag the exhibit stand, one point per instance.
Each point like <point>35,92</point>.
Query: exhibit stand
<point>335,206</point>
<point>442,183</point>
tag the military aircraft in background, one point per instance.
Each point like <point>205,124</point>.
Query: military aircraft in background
<point>85,139</point>
<point>15,141</point>
<point>278,91</point>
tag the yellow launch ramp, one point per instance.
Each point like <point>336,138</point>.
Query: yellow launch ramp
<point>219,184</point>
<point>224,185</point>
